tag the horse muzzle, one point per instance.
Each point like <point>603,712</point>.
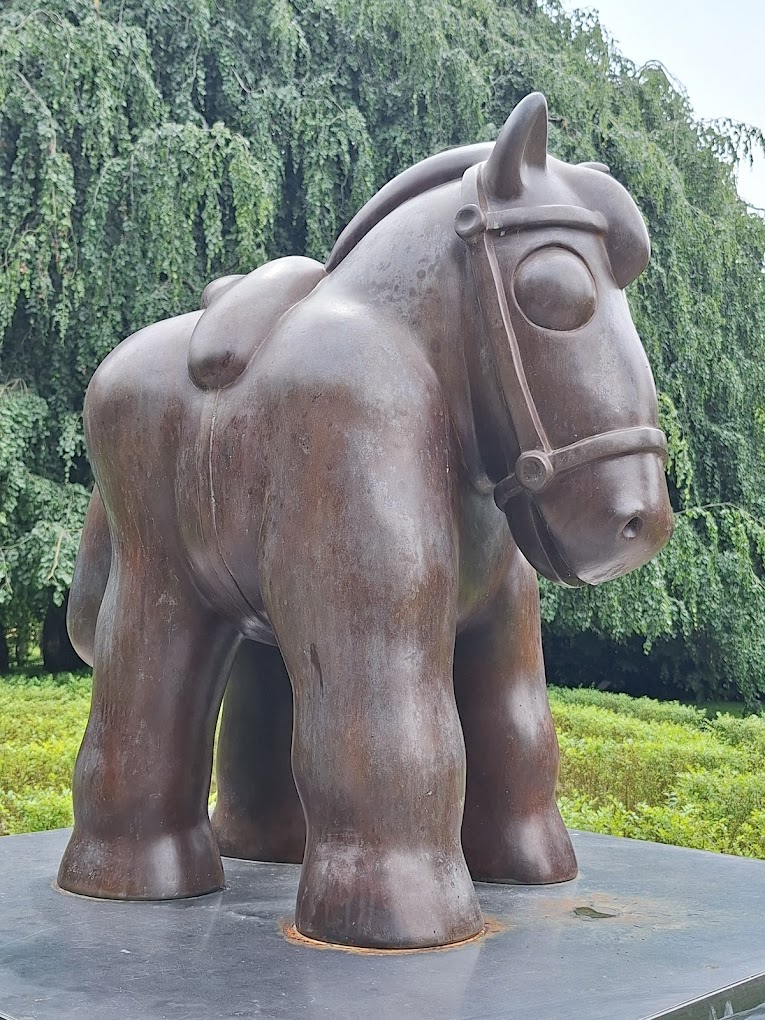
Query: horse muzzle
<point>594,521</point>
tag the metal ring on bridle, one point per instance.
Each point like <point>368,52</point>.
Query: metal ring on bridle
<point>469,221</point>
<point>534,470</point>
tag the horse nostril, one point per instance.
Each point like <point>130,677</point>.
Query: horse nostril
<point>632,528</point>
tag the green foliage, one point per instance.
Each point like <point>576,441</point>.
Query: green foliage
<point>629,766</point>
<point>147,148</point>
<point>644,709</point>
<point>40,518</point>
<point>42,721</point>
<point>661,771</point>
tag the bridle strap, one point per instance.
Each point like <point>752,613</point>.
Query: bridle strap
<point>472,224</point>
<point>535,469</point>
<point>538,463</point>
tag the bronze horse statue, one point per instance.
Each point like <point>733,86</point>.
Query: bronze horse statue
<point>311,481</point>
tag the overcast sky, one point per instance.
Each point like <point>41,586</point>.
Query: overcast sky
<point>715,49</point>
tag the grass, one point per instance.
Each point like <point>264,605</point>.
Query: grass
<point>629,766</point>
<point>42,719</point>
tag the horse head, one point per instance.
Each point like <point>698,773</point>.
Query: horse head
<point>551,248</point>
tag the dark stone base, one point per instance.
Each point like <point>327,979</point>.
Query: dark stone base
<point>643,929</point>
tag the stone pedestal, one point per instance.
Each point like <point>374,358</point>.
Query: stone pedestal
<point>644,929</point>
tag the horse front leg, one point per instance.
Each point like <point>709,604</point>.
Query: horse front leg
<point>512,831</point>
<point>359,579</point>
<point>378,760</point>
<point>142,776</point>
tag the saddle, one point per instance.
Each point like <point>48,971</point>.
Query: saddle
<point>240,312</point>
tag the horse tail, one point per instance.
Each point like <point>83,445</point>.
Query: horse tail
<point>91,572</point>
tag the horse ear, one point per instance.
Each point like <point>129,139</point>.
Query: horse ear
<point>522,143</point>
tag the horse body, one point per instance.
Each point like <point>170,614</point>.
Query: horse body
<point>314,464</point>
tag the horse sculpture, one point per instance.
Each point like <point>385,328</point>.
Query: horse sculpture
<point>311,480</point>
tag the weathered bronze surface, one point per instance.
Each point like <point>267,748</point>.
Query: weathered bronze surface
<point>301,482</point>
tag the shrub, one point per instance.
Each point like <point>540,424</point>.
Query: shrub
<point>42,720</point>
<point>637,708</point>
<point>661,771</point>
<point>629,766</point>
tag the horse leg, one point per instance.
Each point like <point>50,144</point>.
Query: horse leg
<point>379,763</point>
<point>359,571</point>
<point>512,830</point>
<point>142,776</point>
<point>91,572</point>
<point>258,815</point>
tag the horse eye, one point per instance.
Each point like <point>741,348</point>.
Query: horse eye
<point>555,290</point>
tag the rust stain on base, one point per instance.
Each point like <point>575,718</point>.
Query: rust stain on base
<point>636,912</point>
<point>491,927</point>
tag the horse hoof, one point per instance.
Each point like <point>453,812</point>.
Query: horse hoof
<point>360,897</point>
<point>167,866</point>
<point>279,843</point>
<point>535,850</point>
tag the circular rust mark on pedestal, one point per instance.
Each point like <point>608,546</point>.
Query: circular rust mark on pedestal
<point>491,927</point>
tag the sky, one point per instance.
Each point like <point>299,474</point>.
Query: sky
<point>714,49</point>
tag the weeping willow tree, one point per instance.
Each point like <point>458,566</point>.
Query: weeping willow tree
<point>145,149</point>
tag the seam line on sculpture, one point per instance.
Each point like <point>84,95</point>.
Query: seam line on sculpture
<point>219,550</point>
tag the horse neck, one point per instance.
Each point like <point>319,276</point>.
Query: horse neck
<point>413,266</point>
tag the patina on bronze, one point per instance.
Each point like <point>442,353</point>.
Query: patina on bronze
<point>301,483</point>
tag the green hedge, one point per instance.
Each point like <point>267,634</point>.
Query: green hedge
<point>661,771</point>
<point>629,766</point>
<point>42,720</point>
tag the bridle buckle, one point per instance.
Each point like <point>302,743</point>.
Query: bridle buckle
<point>534,470</point>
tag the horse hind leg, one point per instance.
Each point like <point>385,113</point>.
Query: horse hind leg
<point>91,574</point>
<point>142,776</point>
<point>258,815</point>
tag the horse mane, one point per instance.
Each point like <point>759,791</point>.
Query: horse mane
<point>445,166</point>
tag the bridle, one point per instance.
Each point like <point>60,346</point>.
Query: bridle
<point>538,463</point>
